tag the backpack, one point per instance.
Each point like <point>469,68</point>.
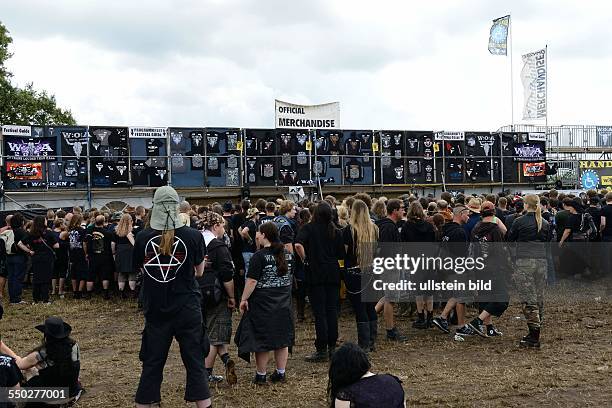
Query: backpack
<point>281,222</point>
<point>97,242</point>
<point>587,227</point>
<point>211,287</point>
<point>8,239</point>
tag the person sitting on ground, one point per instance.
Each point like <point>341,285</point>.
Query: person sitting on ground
<point>351,384</point>
<point>56,361</point>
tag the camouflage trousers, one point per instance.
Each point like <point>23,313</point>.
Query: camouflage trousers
<point>530,280</point>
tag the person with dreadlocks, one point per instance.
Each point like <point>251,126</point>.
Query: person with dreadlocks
<point>171,256</point>
<point>217,286</point>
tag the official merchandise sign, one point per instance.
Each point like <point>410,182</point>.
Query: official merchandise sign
<point>16,130</point>
<point>292,116</point>
<point>30,149</point>
<point>148,132</point>
<point>446,135</point>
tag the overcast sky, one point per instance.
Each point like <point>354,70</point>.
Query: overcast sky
<point>390,64</point>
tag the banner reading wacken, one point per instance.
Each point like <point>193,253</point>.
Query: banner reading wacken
<point>30,148</point>
<point>291,116</point>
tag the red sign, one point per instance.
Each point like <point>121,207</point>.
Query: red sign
<point>24,171</point>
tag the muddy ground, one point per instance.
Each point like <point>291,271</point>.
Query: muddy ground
<point>573,368</point>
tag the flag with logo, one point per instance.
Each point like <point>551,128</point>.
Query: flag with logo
<point>533,77</point>
<point>498,36</point>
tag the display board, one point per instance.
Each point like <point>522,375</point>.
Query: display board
<point>80,157</point>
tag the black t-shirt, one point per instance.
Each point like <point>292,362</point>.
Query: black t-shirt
<point>573,223</point>
<point>152,146</point>
<point>42,252</point>
<point>606,211</point>
<point>20,235</point>
<point>213,139</point>
<point>10,374</point>
<point>596,214</point>
<point>262,268</point>
<point>169,282</point>
<point>381,390</point>
<point>250,246</point>
<point>99,241</point>
<point>322,253</point>
<point>76,237</point>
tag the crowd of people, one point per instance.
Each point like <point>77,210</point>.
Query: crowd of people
<point>269,259</point>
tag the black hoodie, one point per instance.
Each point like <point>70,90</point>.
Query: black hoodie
<point>387,230</point>
<point>418,231</point>
<point>219,260</point>
<point>454,239</point>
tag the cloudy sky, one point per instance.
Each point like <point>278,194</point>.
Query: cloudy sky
<point>390,64</point>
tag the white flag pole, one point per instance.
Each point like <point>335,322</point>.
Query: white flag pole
<point>511,71</point>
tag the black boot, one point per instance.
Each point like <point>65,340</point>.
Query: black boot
<point>363,335</point>
<point>420,323</point>
<point>373,334</point>
<point>330,351</point>
<point>429,320</point>
<point>106,293</point>
<point>317,357</point>
<point>532,339</point>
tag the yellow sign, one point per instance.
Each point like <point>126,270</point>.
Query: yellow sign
<point>606,180</point>
<point>436,147</point>
<point>309,145</point>
<point>374,147</point>
<point>596,164</point>
<point>239,145</point>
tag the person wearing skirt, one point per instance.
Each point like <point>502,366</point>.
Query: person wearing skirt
<point>123,246</point>
<point>267,315</point>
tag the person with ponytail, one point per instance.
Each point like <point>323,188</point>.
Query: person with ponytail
<point>267,314</point>
<point>360,240</point>
<point>531,233</point>
<point>352,384</point>
<point>171,256</point>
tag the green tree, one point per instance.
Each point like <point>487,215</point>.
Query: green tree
<point>25,106</point>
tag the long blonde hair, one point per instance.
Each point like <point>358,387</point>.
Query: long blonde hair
<point>125,225</point>
<point>532,202</point>
<point>365,233</point>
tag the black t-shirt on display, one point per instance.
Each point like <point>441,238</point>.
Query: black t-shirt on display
<point>266,169</point>
<point>286,143</point>
<point>152,147</point>
<point>213,140</point>
<point>266,146</point>
<point>140,175</point>
<point>169,282</point>
<point>251,145</point>
<point>158,177</point>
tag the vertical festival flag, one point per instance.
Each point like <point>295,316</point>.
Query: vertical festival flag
<point>533,76</point>
<point>498,36</point>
